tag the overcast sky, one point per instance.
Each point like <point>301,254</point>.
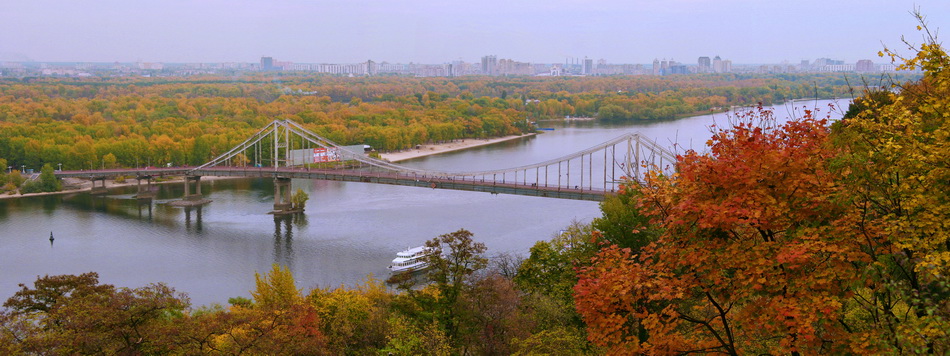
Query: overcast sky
<point>438,31</point>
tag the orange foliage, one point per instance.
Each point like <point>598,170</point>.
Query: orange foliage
<point>750,260</point>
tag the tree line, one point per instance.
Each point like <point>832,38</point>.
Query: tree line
<point>465,303</point>
<point>109,122</point>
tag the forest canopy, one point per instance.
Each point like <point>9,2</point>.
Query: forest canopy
<point>187,121</point>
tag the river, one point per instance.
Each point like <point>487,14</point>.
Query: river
<point>350,230</point>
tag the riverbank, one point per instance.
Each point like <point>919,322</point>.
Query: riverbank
<point>421,151</point>
<point>437,148</point>
<point>85,186</point>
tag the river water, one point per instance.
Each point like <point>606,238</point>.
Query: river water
<point>350,230</point>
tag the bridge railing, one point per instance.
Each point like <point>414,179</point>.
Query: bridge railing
<point>603,165</point>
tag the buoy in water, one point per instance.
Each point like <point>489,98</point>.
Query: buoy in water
<point>51,236</point>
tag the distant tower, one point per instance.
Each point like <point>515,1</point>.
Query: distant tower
<point>370,67</point>
<point>864,65</point>
<point>267,63</point>
<point>717,65</point>
<point>489,65</point>
<point>704,64</point>
<point>656,66</point>
<point>588,66</point>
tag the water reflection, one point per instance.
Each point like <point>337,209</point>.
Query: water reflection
<point>197,223</point>
<point>284,240</point>
<point>349,231</point>
<point>147,206</point>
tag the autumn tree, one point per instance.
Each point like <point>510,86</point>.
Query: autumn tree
<point>276,289</point>
<point>109,160</point>
<point>354,320</point>
<point>77,315</point>
<point>493,315</point>
<point>747,261</point>
<point>279,321</point>
<point>896,174</point>
<point>48,291</point>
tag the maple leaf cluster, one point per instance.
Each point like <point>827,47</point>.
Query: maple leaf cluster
<point>800,238</point>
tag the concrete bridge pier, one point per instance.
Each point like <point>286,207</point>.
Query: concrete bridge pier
<point>191,199</point>
<point>146,192</point>
<point>197,194</point>
<point>97,190</point>
<point>282,199</point>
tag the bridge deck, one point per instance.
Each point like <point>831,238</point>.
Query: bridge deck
<point>453,183</point>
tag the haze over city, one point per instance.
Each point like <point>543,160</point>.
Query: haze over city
<point>548,31</point>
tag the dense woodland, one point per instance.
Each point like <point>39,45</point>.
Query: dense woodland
<point>809,237</point>
<point>106,122</point>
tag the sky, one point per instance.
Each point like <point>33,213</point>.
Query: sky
<point>440,31</point>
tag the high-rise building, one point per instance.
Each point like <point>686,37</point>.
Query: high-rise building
<point>864,65</point>
<point>588,66</point>
<point>267,63</point>
<point>704,64</point>
<point>717,65</point>
<point>656,66</point>
<point>489,65</point>
<point>370,67</point>
<point>677,68</point>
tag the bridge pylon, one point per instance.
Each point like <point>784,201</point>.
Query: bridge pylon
<point>99,190</point>
<point>144,192</point>
<point>190,199</point>
<point>284,149</point>
<point>282,196</point>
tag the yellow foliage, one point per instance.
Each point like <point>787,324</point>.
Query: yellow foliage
<point>277,289</point>
<point>898,177</point>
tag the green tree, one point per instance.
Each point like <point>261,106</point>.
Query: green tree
<point>612,112</point>
<point>200,152</point>
<point>48,180</point>
<point>621,222</point>
<point>549,270</point>
<point>453,259</point>
<point>299,199</point>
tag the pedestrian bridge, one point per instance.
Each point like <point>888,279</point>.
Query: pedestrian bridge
<point>285,150</point>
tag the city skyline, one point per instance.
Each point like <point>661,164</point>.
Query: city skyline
<point>639,31</point>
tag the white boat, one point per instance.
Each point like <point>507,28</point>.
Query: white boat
<point>410,260</point>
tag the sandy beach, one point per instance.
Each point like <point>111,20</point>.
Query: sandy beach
<point>434,149</point>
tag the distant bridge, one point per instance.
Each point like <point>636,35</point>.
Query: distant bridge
<point>284,150</point>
